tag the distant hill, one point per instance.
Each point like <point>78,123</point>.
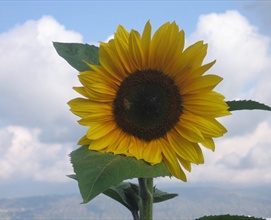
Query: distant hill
<point>190,204</point>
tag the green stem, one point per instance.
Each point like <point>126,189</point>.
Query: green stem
<point>146,195</point>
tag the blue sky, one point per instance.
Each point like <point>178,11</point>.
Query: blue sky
<point>96,20</point>
<point>37,131</point>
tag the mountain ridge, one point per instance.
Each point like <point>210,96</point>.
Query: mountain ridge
<point>192,202</point>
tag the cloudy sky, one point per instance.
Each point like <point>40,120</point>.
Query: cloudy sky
<point>37,130</point>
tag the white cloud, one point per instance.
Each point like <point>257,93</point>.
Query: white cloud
<point>240,50</point>
<point>109,38</point>
<point>37,128</point>
<point>98,43</point>
<point>240,159</point>
<point>35,82</point>
<point>24,156</point>
<point>237,160</point>
<point>242,156</point>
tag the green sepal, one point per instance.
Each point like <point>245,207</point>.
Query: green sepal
<point>247,105</point>
<point>228,217</point>
<point>96,172</point>
<point>76,54</point>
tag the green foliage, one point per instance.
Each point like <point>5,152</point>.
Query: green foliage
<point>246,105</point>
<point>128,195</point>
<point>75,54</point>
<point>96,172</point>
<point>228,217</point>
<point>161,196</point>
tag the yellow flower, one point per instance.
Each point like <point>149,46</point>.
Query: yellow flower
<point>149,99</point>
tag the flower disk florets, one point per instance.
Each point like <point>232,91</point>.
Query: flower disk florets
<point>147,105</point>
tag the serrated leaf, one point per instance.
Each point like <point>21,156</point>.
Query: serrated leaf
<point>75,54</point>
<point>247,105</point>
<point>96,172</point>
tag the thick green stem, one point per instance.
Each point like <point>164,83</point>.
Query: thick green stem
<point>146,195</point>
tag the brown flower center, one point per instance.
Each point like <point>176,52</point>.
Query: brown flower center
<point>147,104</point>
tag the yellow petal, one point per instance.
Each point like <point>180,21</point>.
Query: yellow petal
<point>85,108</point>
<point>188,131</point>
<point>135,49</point>
<point>84,141</point>
<point>211,104</point>
<point>100,117</point>
<point>110,62</point>
<point>186,164</point>
<point>185,72</point>
<point>200,85</point>
<point>185,149</point>
<point>136,149</point>
<point>209,143</point>
<point>156,52</point>
<point>145,42</point>
<point>202,69</point>
<point>97,96</point>
<point>81,90</point>
<point>172,62</point>
<point>87,105</point>
<point>99,73</point>
<point>98,130</point>
<point>209,127</point>
<point>122,33</point>
<point>170,159</point>
<point>152,152</point>
<point>194,54</point>
<point>122,49</point>
<point>100,77</point>
<point>104,142</point>
<point>122,145</point>
<point>172,44</point>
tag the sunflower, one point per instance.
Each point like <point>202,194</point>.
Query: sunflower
<point>149,99</point>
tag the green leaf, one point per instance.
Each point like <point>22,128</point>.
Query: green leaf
<point>96,172</point>
<point>160,196</point>
<point>246,105</point>
<point>126,194</point>
<point>228,217</point>
<point>72,176</point>
<point>75,54</point>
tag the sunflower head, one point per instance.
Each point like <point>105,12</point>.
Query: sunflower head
<point>149,99</point>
